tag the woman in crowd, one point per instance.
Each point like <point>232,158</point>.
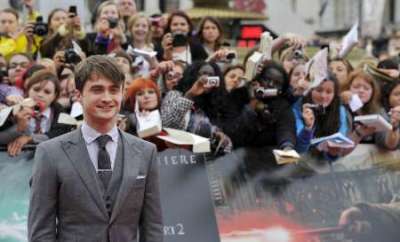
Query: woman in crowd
<point>63,28</point>
<point>143,94</point>
<point>298,83</point>
<point>391,104</point>
<point>38,123</point>
<point>210,34</point>
<point>365,87</point>
<point>139,28</point>
<point>172,78</point>
<point>320,114</point>
<point>341,68</point>
<point>178,43</point>
<point>109,34</point>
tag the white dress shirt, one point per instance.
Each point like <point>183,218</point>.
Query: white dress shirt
<point>90,135</point>
<point>45,122</point>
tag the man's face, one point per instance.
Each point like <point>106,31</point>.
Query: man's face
<point>17,65</point>
<point>126,7</point>
<point>8,23</point>
<point>101,100</point>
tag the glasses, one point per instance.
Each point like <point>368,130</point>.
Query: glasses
<point>21,64</point>
<point>172,75</point>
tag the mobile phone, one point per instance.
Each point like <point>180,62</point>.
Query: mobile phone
<point>72,11</point>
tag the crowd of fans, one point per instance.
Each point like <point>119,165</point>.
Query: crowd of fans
<point>37,61</point>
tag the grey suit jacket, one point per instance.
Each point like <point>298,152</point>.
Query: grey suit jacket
<point>66,202</point>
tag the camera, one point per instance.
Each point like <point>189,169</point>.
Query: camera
<point>262,93</point>
<point>72,11</point>
<point>317,109</point>
<point>231,55</point>
<point>40,28</point>
<point>213,81</point>
<point>112,23</point>
<point>71,57</point>
<point>179,40</point>
<point>298,54</point>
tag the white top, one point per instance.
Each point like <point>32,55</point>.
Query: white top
<point>90,135</point>
<point>185,56</point>
<point>45,122</point>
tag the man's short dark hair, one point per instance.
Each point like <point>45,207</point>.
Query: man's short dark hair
<point>98,65</point>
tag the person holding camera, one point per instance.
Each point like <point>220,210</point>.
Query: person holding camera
<point>192,103</point>
<point>267,120</point>
<point>15,38</point>
<point>35,123</point>
<point>64,27</point>
<point>109,33</point>
<point>319,114</point>
<point>178,43</point>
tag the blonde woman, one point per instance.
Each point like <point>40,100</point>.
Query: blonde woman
<point>139,26</point>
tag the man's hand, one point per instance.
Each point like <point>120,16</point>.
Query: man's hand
<point>352,220</point>
<point>15,147</point>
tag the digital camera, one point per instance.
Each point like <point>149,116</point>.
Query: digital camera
<point>112,23</point>
<point>40,28</point>
<point>265,93</point>
<point>213,81</point>
<point>179,40</point>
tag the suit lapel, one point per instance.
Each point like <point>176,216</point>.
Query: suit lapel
<point>131,169</point>
<point>76,151</point>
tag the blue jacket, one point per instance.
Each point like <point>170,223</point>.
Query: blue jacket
<point>305,135</point>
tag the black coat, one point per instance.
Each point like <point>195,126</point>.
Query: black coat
<point>196,50</point>
<point>245,127</point>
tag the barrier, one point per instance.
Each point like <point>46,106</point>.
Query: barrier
<point>207,199</point>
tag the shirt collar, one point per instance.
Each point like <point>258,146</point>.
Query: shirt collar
<point>90,134</point>
<point>46,113</point>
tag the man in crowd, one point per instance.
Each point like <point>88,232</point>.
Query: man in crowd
<point>96,183</point>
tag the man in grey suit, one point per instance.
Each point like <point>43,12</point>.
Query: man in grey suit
<point>97,183</point>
